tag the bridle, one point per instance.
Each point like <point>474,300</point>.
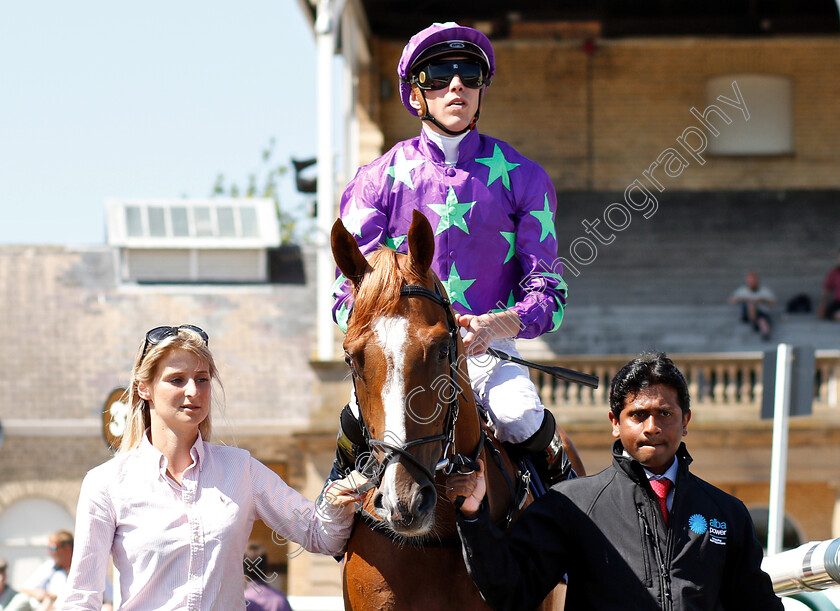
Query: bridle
<point>454,462</point>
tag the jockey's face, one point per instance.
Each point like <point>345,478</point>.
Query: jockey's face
<point>453,106</point>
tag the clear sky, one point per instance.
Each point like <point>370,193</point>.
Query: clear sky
<point>106,99</point>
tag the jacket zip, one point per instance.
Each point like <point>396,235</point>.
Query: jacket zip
<point>645,536</point>
<point>664,575</point>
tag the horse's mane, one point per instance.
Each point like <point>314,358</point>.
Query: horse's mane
<point>379,292</point>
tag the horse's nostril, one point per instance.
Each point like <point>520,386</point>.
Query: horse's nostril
<point>377,500</point>
<point>424,500</point>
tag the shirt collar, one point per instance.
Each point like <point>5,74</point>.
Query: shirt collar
<point>448,144</point>
<point>155,458</point>
<point>466,148</point>
<point>670,474</point>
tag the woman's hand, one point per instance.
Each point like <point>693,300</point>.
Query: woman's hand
<point>467,489</point>
<point>483,329</point>
<point>347,490</point>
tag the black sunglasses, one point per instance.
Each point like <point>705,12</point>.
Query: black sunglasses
<point>158,334</point>
<point>438,75</point>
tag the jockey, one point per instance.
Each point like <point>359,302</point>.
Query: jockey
<point>492,211</point>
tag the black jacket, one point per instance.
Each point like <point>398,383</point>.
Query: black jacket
<point>607,533</point>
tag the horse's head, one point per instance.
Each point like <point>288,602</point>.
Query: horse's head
<point>400,345</point>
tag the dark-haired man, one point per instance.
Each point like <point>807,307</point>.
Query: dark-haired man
<point>689,546</point>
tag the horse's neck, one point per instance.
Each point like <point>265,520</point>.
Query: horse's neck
<point>468,432</point>
<point>468,427</point>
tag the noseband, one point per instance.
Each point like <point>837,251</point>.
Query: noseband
<point>455,462</point>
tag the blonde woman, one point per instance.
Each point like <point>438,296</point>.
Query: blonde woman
<point>176,511</point>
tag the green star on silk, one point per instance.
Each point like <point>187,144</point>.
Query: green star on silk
<point>402,168</point>
<point>557,317</point>
<point>342,314</point>
<point>395,242</point>
<point>561,284</point>
<point>342,317</point>
<point>354,217</point>
<point>510,303</point>
<point>335,289</point>
<point>499,167</point>
<point>456,287</point>
<point>452,213</point>
<point>510,238</point>
<point>546,219</point>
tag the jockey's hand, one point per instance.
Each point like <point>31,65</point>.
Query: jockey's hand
<point>483,329</point>
<point>347,490</point>
<point>470,488</point>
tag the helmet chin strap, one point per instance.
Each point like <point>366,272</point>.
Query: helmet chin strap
<point>426,116</point>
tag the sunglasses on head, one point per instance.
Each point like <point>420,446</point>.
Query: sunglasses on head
<point>158,334</point>
<point>438,75</point>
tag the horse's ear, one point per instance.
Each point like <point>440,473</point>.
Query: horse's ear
<point>421,242</point>
<point>348,257</point>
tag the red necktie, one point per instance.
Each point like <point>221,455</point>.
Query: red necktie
<point>661,487</point>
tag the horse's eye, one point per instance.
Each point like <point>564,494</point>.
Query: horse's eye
<point>443,352</point>
<point>349,360</point>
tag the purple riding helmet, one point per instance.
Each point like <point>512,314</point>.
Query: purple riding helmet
<point>436,42</point>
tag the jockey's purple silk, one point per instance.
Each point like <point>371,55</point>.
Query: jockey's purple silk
<point>493,218</point>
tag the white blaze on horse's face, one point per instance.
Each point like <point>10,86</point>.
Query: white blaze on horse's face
<point>392,337</point>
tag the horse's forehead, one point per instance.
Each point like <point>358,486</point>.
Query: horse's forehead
<point>391,333</point>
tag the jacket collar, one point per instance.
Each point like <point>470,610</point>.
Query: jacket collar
<point>634,470</point>
<point>467,149</point>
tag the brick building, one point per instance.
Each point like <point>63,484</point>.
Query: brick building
<point>604,99</point>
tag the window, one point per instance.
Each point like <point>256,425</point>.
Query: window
<point>218,240</point>
<point>248,218</point>
<point>768,101</point>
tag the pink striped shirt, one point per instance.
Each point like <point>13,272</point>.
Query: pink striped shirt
<point>181,547</point>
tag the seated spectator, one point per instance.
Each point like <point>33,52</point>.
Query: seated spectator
<point>259,596</point>
<point>755,301</point>
<point>830,302</point>
<point>11,599</point>
<point>47,582</point>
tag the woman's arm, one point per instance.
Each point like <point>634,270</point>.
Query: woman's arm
<point>323,526</point>
<point>94,537</point>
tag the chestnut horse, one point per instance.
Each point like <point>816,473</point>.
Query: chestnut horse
<point>420,417</point>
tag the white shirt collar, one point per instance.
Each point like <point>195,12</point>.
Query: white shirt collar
<point>447,144</point>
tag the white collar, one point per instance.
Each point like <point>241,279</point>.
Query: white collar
<point>448,144</point>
